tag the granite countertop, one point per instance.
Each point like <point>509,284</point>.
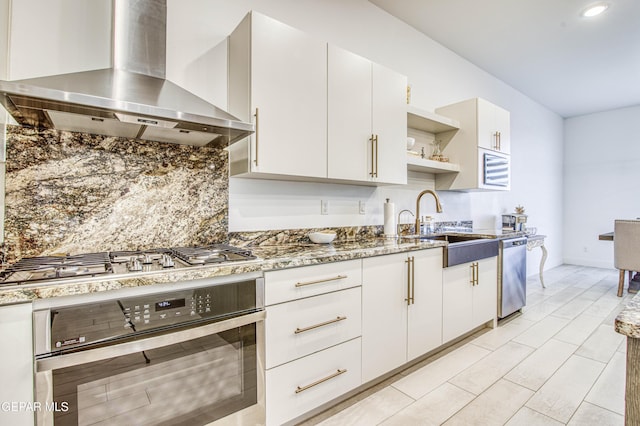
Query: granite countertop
<point>628,320</point>
<point>279,256</point>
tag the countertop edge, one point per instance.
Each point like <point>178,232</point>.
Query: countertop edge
<point>270,259</point>
<point>628,320</point>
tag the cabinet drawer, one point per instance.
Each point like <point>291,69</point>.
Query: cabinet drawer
<point>298,328</point>
<point>290,284</point>
<point>302,385</point>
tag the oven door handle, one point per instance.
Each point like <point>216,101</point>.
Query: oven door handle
<point>130,347</point>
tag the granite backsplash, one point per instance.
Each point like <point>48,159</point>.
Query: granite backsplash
<point>70,192</point>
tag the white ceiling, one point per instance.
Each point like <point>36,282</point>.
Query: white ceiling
<point>543,48</point>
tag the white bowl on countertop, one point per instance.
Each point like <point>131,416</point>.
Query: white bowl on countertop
<point>322,237</point>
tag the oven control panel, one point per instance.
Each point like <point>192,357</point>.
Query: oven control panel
<point>84,324</point>
<point>170,309</point>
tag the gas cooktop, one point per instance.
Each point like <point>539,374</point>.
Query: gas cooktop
<point>56,268</point>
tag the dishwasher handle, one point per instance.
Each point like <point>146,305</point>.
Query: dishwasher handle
<point>514,242</point>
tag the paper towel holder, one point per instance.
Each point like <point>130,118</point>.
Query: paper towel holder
<point>389,227</point>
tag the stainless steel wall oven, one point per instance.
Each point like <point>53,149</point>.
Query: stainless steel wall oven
<point>183,356</point>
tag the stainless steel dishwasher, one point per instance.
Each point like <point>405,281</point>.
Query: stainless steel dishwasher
<point>512,276</point>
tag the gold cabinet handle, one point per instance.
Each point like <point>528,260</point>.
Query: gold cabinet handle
<point>322,324</point>
<point>376,155</point>
<point>257,116</point>
<point>477,273</point>
<point>474,273</point>
<point>373,172</point>
<point>325,280</point>
<point>413,280</point>
<point>336,374</point>
<point>499,141</point>
<point>408,299</point>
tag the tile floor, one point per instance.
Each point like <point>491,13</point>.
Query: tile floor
<point>559,363</point>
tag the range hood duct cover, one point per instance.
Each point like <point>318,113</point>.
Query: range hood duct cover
<point>132,99</point>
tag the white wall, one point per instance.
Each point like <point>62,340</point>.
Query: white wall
<point>601,181</point>
<point>437,76</point>
<point>51,37</point>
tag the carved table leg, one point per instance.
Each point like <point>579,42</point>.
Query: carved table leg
<point>544,258</point>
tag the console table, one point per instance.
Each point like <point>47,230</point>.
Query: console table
<point>534,241</point>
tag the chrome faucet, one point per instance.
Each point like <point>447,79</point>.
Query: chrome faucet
<point>398,222</point>
<point>438,206</point>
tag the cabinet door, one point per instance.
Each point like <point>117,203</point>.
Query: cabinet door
<point>384,314</point>
<point>349,115</point>
<point>298,387</point>
<point>457,301</point>
<point>503,124</point>
<point>425,313</point>
<point>289,90</point>
<point>485,293</point>
<point>390,125</point>
<point>301,327</point>
<point>493,127</point>
<point>16,366</point>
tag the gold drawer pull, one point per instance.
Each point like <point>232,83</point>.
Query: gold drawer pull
<point>311,327</point>
<point>336,374</point>
<point>339,277</point>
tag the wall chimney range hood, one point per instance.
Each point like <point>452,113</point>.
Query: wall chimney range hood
<point>133,99</point>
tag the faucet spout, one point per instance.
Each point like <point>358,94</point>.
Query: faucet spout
<point>438,206</point>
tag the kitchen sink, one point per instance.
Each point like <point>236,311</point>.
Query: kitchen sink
<point>464,248</point>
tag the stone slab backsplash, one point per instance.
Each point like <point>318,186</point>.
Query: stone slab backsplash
<point>70,192</point>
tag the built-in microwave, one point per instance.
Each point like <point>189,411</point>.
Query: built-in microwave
<point>496,171</point>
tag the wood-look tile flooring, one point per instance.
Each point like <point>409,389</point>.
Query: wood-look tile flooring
<point>559,363</point>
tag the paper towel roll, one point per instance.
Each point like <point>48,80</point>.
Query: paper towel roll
<point>389,219</point>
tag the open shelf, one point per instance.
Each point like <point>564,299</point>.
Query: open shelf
<point>425,165</point>
<point>429,121</point>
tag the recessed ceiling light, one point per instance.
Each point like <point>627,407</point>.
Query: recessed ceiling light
<point>594,9</point>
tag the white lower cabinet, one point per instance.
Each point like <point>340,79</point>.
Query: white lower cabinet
<point>402,309</point>
<point>299,386</point>
<point>312,337</point>
<point>469,296</point>
<point>16,364</point>
<point>304,326</point>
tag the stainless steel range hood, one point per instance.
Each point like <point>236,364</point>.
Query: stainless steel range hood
<point>133,99</point>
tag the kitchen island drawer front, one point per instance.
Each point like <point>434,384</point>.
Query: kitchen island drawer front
<point>290,284</point>
<point>302,385</point>
<point>304,326</point>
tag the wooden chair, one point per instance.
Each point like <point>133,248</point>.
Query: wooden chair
<point>626,249</point>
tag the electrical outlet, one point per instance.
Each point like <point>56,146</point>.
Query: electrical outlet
<point>361,207</point>
<point>324,207</point>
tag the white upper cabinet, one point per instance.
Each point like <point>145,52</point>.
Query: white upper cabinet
<point>366,120</point>
<point>389,125</point>
<point>478,147</point>
<point>278,80</point>
<point>320,112</point>
<point>494,129</point>
<point>349,142</point>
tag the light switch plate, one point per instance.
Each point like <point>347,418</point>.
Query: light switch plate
<point>362,207</point>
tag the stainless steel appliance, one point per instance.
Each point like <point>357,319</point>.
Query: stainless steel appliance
<point>118,264</point>
<point>496,170</point>
<point>512,276</point>
<point>180,356</point>
<point>514,222</point>
<point>133,99</point>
